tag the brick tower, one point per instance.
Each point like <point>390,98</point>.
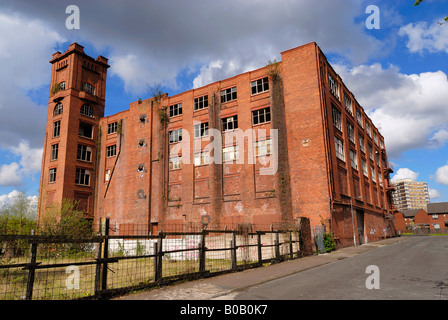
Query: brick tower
<point>76,103</point>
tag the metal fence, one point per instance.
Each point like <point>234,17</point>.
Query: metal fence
<point>37,267</point>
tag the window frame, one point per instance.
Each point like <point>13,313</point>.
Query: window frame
<point>225,123</point>
<point>52,175</point>
<point>111,151</point>
<point>56,129</point>
<point>83,153</point>
<point>200,103</point>
<point>229,94</point>
<point>259,86</point>
<point>201,130</point>
<point>54,152</point>
<point>58,109</point>
<point>259,113</point>
<point>112,127</point>
<point>175,110</point>
<point>82,174</point>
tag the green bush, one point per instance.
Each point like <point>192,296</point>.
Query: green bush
<point>329,243</point>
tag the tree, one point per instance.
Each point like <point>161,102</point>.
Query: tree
<point>417,2</point>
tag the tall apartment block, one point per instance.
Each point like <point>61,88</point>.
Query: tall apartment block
<point>410,194</point>
<point>293,141</point>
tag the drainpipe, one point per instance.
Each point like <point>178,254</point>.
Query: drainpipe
<point>353,222</point>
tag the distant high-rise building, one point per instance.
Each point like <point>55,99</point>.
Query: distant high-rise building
<point>410,194</point>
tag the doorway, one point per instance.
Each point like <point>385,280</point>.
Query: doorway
<point>360,221</point>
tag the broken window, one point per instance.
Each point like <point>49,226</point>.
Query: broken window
<point>141,168</point>
<point>87,110</point>
<point>52,177</point>
<point>57,109</point>
<point>261,116</point>
<point>175,135</point>
<point>201,130</point>
<point>201,103</point>
<point>54,151</point>
<point>263,148</point>
<point>348,104</point>
<point>87,87</point>
<point>85,130</point>
<point>82,177</point>
<point>230,123</point>
<point>107,175</point>
<point>353,159</point>
<point>260,85</point>
<point>339,145</point>
<point>334,86</point>
<point>351,132</point>
<point>56,129</point>
<point>175,110</point>
<point>84,153</point>
<point>111,151</point>
<point>228,95</point>
<point>142,118</point>
<point>230,154</point>
<point>202,158</point>
<point>337,118</point>
<point>175,163</point>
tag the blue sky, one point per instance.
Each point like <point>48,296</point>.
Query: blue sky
<point>397,72</point>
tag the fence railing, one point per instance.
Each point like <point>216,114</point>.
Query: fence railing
<point>56,268</point>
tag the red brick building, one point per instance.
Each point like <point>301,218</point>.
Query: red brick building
<point>302,147</point>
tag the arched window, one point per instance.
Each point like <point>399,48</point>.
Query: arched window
<point>57,109</point>
<point>87,110</point>
<point>87,87</point>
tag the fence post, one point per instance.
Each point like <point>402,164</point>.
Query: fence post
<point>101,266</point>
<point>158,258</point>
<point>233,250</point>
<point>202,252</point>
<point>31,272</point>
<point>260,257</point>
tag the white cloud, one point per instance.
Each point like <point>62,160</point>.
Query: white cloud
<point>164,38</point>
<point>434,194</point>
<point>10,175</point>
<point>26,47</point>
<point>405,173</point>
<point>422,36</point>
<point>30,158</point>
<point>409,110</point>
<point>442,175</point>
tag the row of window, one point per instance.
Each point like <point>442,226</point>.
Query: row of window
<point>259,116</point>
<point>87,87</point>
<point>334,89</point>
<point>337,122</point>
<point>82,176</point>
<point>227,95</point>
<point>86,110</point>
<point>229,154</point>
<point>340,154</point>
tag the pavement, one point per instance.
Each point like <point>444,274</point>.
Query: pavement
<point>225,287</point>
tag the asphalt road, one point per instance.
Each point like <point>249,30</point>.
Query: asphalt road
<point>414,269</point>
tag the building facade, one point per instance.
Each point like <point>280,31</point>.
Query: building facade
<point>264,148</point>
<point>410,194</point>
